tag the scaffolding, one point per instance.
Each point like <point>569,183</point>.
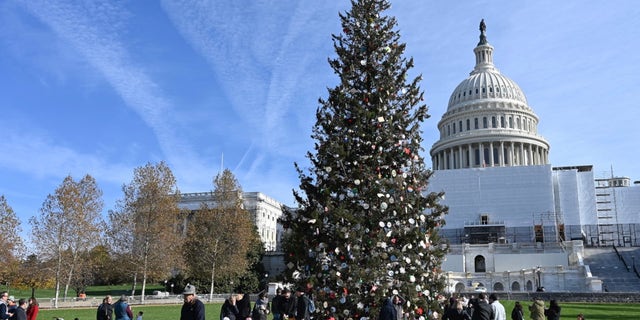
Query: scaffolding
<point>607,210</point>
<point>548,227</point>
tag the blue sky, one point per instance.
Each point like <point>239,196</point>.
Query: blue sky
<point>103,87</point>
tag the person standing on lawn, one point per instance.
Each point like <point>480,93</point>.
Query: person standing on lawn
<point>4,311</point>
<point>193,308</point>
<point>20,313</point>
<point>105,310</point>
<point>32,309</point>
<point>122,309</point>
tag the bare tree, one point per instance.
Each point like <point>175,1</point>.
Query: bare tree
<point>219,234</point>
<point>145,222</point>
<point>68,226</point>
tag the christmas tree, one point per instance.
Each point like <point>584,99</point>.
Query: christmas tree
<point>366,228</point>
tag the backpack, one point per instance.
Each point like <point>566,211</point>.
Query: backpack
<point>310,305</point>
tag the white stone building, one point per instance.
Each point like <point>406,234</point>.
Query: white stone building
<point>265,212</point>
<point>515,222</point>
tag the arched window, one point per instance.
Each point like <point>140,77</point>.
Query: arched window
<point>484,122</point>
<point>529,285</point>
<point>515,286</point>
<point>468,124</point>
<point>459,287</point>
<point>479,264</point>
<point>498,286</point>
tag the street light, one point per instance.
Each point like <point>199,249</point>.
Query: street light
<point>172,288</point>
<point>538,272</point>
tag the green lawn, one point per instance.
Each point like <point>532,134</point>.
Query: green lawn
<point>95,291</point>
<point>591,311</point>
<point>172,312</point>
<point>158,312</point>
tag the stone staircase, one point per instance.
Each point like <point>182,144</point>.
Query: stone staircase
<point>605,264</point>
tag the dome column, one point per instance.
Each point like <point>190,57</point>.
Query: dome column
<point>481,154</point>
<point>491,158</point>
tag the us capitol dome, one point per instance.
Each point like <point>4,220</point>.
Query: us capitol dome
<point>488,122</point>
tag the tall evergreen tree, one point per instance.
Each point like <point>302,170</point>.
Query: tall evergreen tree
<point>366,228</point>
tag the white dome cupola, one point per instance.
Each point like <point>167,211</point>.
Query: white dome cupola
<point>488,121</point>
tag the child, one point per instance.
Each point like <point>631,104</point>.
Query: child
<point>139,315</point>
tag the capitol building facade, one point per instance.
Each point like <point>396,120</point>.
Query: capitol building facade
<point>515,222</point>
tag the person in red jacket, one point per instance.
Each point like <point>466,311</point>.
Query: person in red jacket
<point>32,309</point>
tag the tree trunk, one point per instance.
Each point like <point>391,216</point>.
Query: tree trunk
<point>213,275</point>
<point>133,286</point>
<point>144,278</point>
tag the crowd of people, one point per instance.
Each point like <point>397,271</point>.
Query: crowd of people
<point>23,309</point>
<point>489,308</point>
<point>284,306</point>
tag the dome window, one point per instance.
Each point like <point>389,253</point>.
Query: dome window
<point>476,90</point>
<point>484,122</point>
<point>468,124</point>
<point>484,90</point>
<point>491,89</point>
<point>475,123</point>
<point>502,124</point>
<point>494,124</point>
<point>460,125</point>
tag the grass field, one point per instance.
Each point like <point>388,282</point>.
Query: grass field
<point>95,291</point>
<point>172,312</point>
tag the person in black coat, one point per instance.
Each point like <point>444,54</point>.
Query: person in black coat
<point>553,313</point>
<point>287,304</point>
<point>229,309</point>
<point>482,309</point>
<point>301,305</point>
<point>276,305</point>
<point>105,310</point>
<point>388,311</point>
<point>517,313</point>
<point>20,312</point>
<point>244,308</point>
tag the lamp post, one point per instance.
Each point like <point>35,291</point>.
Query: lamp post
<point>538,272</point>
<point>165,286</point>
<point>172,288</point>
